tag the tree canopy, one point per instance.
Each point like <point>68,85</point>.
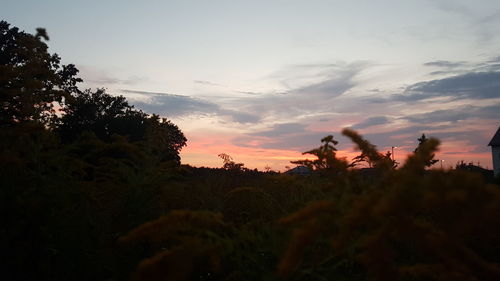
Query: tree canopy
<point>326,157</point>
<point>32,81</point>
<point>422,141</point>
<point>106,116</point>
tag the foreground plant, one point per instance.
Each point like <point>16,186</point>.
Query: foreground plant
<point>414,225</point>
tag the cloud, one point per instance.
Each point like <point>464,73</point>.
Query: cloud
<point>462,80</point>
<point>454,7</point>
<point>438,116</point>
<point>393,137</point>
<point>249,93</point>
<point>306,140</point>
<point>483,25</point>
<point>329,88</point>
<point>491,18</point>
<point>494,60</point>
<point>490,66</point>
<point>101,78</point>
<point>474,139</point>
<point>308,89</point>
<point>446,64</point>
<point>471,85</point>
<point>172,105</point>
<point>457,114</point>
<point>372,121</point>
<point>464,67</point>
<point>239,116</point>
<point>332,80</point>
<point>204,82</point>
<point>443,72</point>
<point>282,130</point>
<point>477,85</point>
<point>178,106</point>
<point>298,141</point>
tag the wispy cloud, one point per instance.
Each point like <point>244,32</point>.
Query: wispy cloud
<point>298,141</point>
<point>329,88</point>
<point>446,64</point>
<point>457,114</point>
<point>249,93</point>
<point>372,121</point>
<point>284,129</point>
<point>449,68</point>
<point>484,24</point>
<point>470,85</point>
<point>306,90</point>
<point>476,85</point>
<point>204,82</point>
<point>98,77</point>
<point>179,106</point>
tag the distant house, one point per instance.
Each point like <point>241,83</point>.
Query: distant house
<point>485,173</point>
<point>299,170</point>
<point>495,152</point>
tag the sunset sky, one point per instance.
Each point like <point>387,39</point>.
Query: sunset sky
<point>264,81</point>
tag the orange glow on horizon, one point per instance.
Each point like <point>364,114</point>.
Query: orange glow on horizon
<point>204,153</point>
<point>204,146</point>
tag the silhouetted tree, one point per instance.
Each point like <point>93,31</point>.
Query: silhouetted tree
<point>163,138</point>
<point>369,152</point>
<point>101,114</point>
<point>421,141</point>
<point>32,81</point>
<point>326,157</point>
<point>106,115</point>
<point>229,164</point>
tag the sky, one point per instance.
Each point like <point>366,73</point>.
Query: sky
<point>264,81</point>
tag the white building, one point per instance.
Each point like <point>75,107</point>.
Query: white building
<point>495,152</point>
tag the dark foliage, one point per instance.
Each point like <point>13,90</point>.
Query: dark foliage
<point>421,142</point>
<point>64,204</point>
<point>32,81</point>
<point>106,116</point>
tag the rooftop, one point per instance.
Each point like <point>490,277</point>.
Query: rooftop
<point>299,170</point>
<point>495,141</point>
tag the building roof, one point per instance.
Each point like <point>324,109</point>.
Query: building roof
<point>495,141</point>
<point>299,170</point>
